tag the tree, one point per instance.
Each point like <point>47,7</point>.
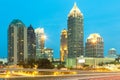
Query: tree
<point>31,63</point>
<point>117,59</point>
<point>61,66</point>
<point>44,64</point>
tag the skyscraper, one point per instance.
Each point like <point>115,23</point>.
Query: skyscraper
<point>17,42</point>
<point>31,43</point>
<point>40,42</point>
<point>75,33</point>
<point>94,46</point>
<point>63,46</point>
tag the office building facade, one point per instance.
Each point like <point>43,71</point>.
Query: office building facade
<point>40,42</point>
<point>31,42</point>
<point>63,46</point>
<point>17,42</point>
<point>94,46</point>
<point>112,53</point>
<point>75,33</point>
<point>48,54</point>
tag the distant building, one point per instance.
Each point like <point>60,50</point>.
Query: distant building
<point>40,42</point>
<point>87,61</point>
<point>31,43</point>
<point>17,42</point>
<point>56,61</point>
<point>3,60</point>
<point>112,53</point>
<point>63,46</point>
<point>48,54</point>
<point>75,33</point>
<point>94,46</point>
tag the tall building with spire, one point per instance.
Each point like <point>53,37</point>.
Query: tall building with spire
<point>63,46</point>
<point>94,46</point>
<point>17,42</point>
<point>75,33</point>
<point>31,43</point>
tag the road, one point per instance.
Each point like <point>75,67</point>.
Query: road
<point>82,75</point>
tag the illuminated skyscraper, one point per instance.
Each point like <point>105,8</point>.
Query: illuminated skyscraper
<point>75,33</point>
<point>63,46</point>
<point>17,42</point>
<point>94,46</point>
<point>40,41</point>
<point>31,43</point>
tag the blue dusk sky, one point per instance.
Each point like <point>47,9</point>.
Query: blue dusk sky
<point>100,16</point>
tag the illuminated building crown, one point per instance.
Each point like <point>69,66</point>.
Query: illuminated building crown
<point>75,11</point>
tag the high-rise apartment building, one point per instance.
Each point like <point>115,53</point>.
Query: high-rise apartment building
<point>31,42</point>
<point>63,46</point>
<point>94,46</point>
<point>75,33</point>
<point>17,42</point>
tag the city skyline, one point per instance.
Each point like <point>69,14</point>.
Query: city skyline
<point>54,19</point>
